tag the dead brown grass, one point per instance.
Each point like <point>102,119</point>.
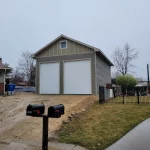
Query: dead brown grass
<point>101,125</point>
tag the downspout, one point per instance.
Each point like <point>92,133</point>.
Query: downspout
<point>4,80</point>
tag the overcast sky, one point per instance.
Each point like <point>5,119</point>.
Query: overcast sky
<point>105,24</point>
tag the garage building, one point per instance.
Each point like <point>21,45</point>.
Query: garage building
<point>67,66</point>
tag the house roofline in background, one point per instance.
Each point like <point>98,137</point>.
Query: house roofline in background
<point>5,68</point>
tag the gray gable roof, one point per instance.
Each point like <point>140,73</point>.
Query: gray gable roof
<point>98,51</point>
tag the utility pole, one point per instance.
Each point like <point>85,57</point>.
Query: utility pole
<point>148,78</point>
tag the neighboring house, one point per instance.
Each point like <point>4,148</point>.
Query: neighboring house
<point>142,83</point>
<point>67,66</point>
<point>3,71</point>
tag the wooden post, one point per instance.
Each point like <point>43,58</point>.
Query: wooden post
<point>114,92</point>
<point>138,99</point>
<point>101,94</point>
<point>137,91</point>
<point>45,133</point>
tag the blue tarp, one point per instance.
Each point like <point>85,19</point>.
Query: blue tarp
<point>24,89</point>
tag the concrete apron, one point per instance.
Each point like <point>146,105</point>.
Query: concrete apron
<point>36,145</point>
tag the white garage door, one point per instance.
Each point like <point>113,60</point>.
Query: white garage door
<point>49,78</point>
<point>77,77</point>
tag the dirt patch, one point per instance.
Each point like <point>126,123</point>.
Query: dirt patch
<point>14,124</point>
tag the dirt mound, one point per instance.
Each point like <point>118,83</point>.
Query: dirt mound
<point>15,125</point>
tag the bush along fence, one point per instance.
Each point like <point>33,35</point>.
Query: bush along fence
<point>113,95</point>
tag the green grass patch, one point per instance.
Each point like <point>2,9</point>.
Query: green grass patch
<point>102,125</point>
<point>131,99</point>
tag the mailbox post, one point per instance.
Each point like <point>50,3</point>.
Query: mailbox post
<point>38,111</point>
<point>45,133</point>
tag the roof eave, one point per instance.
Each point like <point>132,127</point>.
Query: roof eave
<point>5,68</point>
<point>99,51</point>
<point>34,55</point>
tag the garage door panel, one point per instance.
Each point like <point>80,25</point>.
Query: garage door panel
<point>77,77</point>
<point>49,78</point>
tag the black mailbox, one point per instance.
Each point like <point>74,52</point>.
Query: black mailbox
<point>56,111</point>
<point>35,110</point>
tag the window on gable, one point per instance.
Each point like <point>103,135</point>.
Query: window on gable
<point>63,44</point>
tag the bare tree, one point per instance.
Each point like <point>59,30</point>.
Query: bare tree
<point>114,74</point>
<point>27,67</point>
<point>7,71</point>
<point>17,76</point>
<point>5,64</point>
<point>123,58</point>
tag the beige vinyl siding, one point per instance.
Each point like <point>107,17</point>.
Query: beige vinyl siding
<point>72,48</point>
